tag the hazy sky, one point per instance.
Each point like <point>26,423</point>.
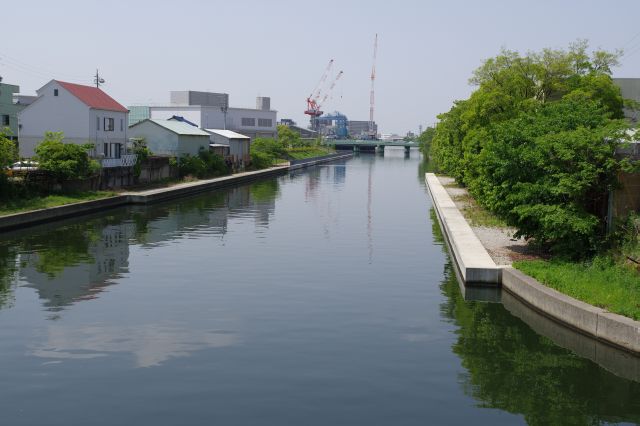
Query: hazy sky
<point>426,50</point>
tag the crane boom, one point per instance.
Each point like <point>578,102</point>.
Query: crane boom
<point>313,108</point>
<point>372,132</point>
<point>318,89</point>
<point>333,84</point>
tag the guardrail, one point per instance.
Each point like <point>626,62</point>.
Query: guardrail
<point>127,160</point>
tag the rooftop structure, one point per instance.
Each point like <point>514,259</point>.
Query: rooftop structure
<point>630,89</point>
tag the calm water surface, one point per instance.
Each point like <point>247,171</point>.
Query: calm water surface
<point>325,297</point>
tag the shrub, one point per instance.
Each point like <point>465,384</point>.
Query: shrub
<point>64,160</point>
<point>261,160</point>
<point>269,146</point>
<point>205,164</point>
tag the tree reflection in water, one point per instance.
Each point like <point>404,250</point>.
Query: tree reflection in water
<point>511,367</point>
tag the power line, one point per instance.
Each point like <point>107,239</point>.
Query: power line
<point>37,71</point>
<point>630,40</point>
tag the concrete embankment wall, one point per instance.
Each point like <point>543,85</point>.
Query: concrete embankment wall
<point>614,329</point>
<point>473,261</point>
<point>307,162</point>
<point>20,220</point>
<point>471,258</point>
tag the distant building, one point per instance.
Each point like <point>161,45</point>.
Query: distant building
<point>170,137</point>
<point>8,109</point>
<point>630,88</point>
<point>360,129</point>
<point>211,111</point>
<point>85,114</point>
<point>191,97</point>
<point>304,133</point>
<point>138,113</point>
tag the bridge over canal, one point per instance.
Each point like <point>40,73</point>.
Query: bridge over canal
<point>371,145</point>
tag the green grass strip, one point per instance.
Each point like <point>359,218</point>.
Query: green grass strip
<point>600,282</point>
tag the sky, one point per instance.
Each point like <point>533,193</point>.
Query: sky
<point>427,50</point>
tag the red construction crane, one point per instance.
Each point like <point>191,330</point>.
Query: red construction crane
<point>372,131</point>
<point>313,108</point>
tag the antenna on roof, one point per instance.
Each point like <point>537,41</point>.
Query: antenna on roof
<point>97,79</point>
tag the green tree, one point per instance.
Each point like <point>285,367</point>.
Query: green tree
<point>64,160</point>
<point>8,149</point>
<point>535,142</point>
<point>425,138</point>
<point>288,138</point>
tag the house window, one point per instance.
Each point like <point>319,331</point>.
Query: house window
<point>121,125</point>
<point>5,120</point>
<point>55,92</point>
<point>105,148</point>
<point>97,123</point>
<point>108,124</point>
<point>265,122</point>
<point>248,121</point>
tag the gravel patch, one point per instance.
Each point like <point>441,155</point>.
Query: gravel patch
<point>499,242</point>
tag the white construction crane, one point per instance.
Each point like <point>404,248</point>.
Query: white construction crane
<point>372,131</point>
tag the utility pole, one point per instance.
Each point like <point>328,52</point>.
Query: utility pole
<point>97,79</point>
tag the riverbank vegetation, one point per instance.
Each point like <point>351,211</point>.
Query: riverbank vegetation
<point>36,202</point>
<point>265,152</point>
<point>535,145</point>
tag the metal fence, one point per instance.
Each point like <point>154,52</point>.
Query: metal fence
<point>127,160</point>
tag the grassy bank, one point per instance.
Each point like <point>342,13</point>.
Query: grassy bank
<point>602,282</point>
<point>308,152</point>
<point>34,203</point>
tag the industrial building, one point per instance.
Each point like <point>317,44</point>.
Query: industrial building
<point>209,110</point>
<point>11,102</point>
<point>630,89</point>
<point>360,129</point>
<point>304,133</point>
<point>170,137</point>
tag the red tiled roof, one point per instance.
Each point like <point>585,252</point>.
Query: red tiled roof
<point>93,97</point>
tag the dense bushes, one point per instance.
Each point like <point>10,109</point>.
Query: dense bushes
<point>265,152</point>
<point>64,160</point>
<point>205,164</point>
<point>535,144</point>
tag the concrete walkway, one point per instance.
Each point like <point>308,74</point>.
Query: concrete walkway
<point>474,263</point>
<point>476,266</point>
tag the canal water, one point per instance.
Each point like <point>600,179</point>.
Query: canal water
<point>323,297</point>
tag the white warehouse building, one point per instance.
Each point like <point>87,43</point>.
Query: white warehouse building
<point>211,111</point>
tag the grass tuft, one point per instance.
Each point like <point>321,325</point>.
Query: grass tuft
<point>601,282</point>
<point>35,203</point>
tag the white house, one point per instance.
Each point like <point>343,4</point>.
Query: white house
<point>170,137</point>
<point>239,145</point>
<point>85,114</point>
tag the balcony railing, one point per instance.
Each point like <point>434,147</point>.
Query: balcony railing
<point>127,160</point>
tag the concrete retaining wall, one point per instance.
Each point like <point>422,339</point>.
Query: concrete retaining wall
<point>184,189</point>
<point>19,220</point>
<point>475,264</point>
<point>25,219</point>
<point>614,329</point>
<point>306,162</point>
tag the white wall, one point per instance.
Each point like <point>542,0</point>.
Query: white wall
<point>62,113</point>
<point>66,113</point>
<point>162,141</point>
<point>234,121</point>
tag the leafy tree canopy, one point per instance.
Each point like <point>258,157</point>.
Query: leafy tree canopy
<point>535,143</point>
